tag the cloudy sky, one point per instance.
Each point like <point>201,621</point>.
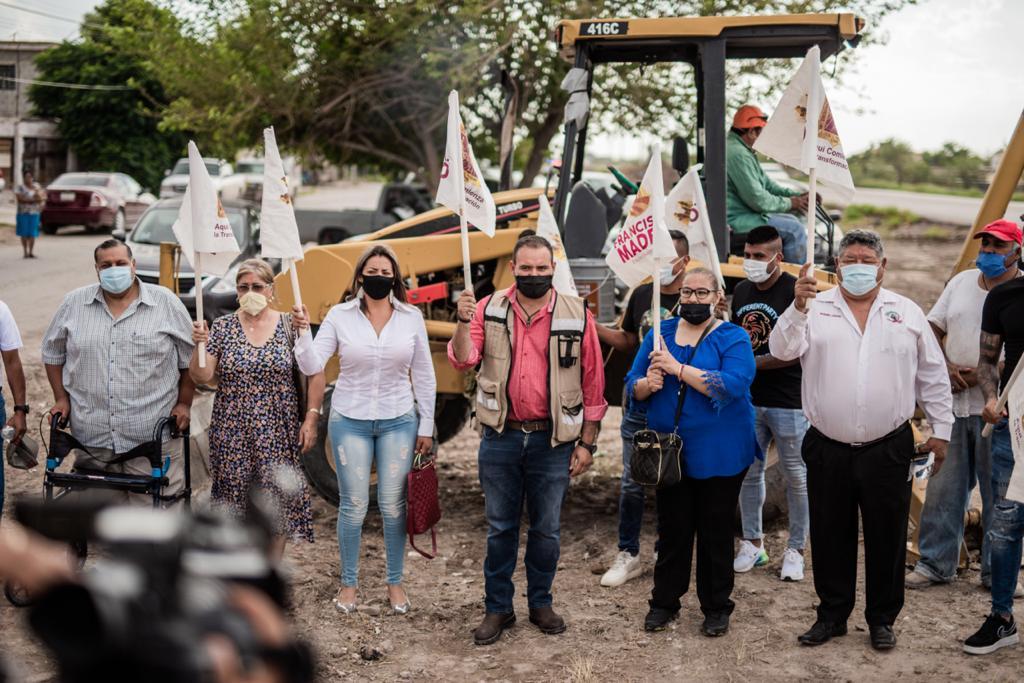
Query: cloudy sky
<point>950,70</point>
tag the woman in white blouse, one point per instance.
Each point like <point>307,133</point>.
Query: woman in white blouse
<point>382,409</point>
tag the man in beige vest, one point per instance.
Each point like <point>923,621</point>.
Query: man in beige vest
<point>539,401</point>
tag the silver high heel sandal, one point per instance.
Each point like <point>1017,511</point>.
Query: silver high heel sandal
<point>402,608</point>
<point>344,607</point>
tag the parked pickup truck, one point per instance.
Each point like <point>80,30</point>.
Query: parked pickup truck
<point>396,202</point>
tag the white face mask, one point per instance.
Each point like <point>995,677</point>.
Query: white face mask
<point>666,275</point>
<point>252,303</point>
<point>756,271</point>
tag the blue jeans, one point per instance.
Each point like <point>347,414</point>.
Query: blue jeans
<point>631,495</point>
<point>968,459</point>
<point>515,466</point>
<point>357,443</point>
<point>1004,536</point>
<point>794,236</point>
<point>787,426</point>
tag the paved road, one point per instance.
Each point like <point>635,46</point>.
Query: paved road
<point>33,288</point>
<point>933,207</point>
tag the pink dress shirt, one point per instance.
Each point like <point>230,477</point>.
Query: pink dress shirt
<point>528,379</point>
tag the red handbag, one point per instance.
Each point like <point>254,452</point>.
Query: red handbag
<point>423,509</point>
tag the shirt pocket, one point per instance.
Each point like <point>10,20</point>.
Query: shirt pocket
<point>899,340</point>
<point>145,348</point>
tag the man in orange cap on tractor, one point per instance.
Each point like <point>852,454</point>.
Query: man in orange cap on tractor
<point>751,197</point>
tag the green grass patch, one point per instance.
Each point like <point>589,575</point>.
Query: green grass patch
<point>937,233</point>
<point>877,217</point>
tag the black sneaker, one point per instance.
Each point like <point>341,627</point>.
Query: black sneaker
<point>993,634</point>
<point>658,618</point>
<point>715,624</point>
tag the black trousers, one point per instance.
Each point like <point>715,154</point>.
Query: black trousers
<point>705,508</point>
<point>842,479</point>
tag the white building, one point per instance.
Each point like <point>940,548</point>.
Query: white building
<point>25,140</point>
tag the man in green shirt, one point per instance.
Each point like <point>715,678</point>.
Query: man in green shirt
<point>751,197</point>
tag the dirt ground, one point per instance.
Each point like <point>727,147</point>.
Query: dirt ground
<point>605,639</point>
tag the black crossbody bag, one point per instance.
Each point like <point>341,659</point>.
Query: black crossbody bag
<point>658,458</point>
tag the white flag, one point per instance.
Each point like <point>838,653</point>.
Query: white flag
<point>686,210</point>
<point>464,193</point>
<point>279,234</point>
<point>801,133</point>
<point>644,243</point>
<point>1015,410</point>
<point>548,229</point>
<point>202,225</point>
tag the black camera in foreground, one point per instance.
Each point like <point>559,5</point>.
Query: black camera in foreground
<point>165,588</point>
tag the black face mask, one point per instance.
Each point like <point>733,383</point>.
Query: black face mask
<point>695,314</point>
<point>378,286</point>
<point>533,286</point>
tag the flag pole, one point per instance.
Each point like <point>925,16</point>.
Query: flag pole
<point>1004,396</point>
<point>812,205</point>
<point>199,304</point>
<point>296,292</point>
<point>467,270</point>
<point>656,306</point>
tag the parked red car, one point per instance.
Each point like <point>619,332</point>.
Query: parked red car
<point>96,200</point>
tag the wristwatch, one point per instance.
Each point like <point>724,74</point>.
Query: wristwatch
<point>592,447</point>
<point>22,408</point>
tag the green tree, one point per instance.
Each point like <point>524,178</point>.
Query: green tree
<point>365,81</point>
<point>112,130</point>
<point>898,156</point>
<point>958,165</point>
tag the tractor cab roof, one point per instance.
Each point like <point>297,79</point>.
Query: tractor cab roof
<point>677,39</point>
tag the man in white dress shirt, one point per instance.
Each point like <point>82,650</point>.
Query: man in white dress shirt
<point>868,358</point>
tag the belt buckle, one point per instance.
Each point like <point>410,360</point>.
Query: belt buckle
<point>526,429</point>
<point>859,444</point>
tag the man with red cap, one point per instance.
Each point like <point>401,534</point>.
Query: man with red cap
<point>956,321</point>
<point>1002,328</point>
<point>751,197</point>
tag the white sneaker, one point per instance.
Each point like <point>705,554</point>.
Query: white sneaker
<point>792,566</point>
<point>748,557</point>
<point>624,568</point>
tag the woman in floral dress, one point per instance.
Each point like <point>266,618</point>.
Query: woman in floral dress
<point>256,433</point>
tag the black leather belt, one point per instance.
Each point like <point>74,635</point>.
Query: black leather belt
<point>528,426</point>
<point>865,444</point>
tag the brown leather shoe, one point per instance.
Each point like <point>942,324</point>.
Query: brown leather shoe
<point>491,627</point>
<point>546,620</point>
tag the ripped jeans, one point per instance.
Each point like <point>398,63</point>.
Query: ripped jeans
<point>356,444</point>
<point>1007,528</point>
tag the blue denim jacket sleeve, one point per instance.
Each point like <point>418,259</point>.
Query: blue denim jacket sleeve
<point>641,362</point>
<point>737,370</point>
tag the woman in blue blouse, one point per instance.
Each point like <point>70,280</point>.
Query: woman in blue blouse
<point>717,428</point>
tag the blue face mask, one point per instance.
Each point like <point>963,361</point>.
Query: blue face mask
<point>116,279</point>
<point>859,278</point>
<point>991,264</point>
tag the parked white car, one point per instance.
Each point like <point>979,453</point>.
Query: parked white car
<point>251,171</point>
<point>229,185</point>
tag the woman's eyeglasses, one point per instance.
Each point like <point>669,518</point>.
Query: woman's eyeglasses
<point>701,294</point>
<point>256,288</point>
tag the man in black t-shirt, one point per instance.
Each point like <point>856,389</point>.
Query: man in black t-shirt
<point>635,325</point>
<point>757,304</point>
<point>1002,327</point>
